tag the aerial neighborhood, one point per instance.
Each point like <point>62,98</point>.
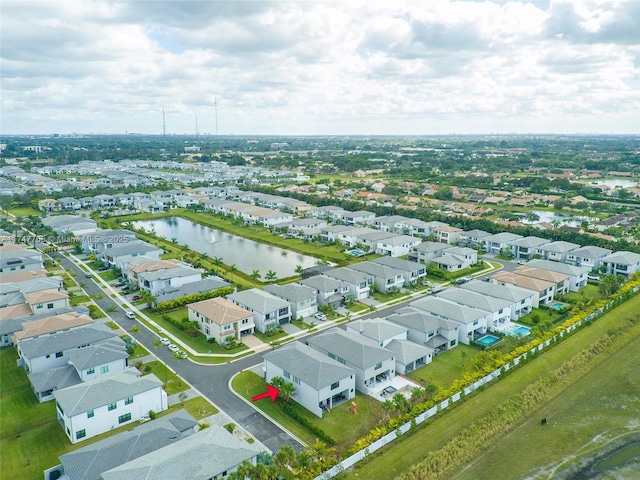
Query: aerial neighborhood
<point>127,285</point>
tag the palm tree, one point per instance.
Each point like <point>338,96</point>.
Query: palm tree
<point>232,270</point>
<point>271,275</point>
<point>178,357</point>
<point>148,298</point>
<point>387,406</point>
<point>156,345</point>
<point>400,402</point>
<point>299,270</point>
<point>217,261</point>
<point>174,240</point>
<point>287,392</point>
<point>255,275</point>
<point>285,457</point>
<point>417,393</point>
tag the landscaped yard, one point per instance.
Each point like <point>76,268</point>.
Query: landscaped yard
<point>445,367</point>
<point>78,299</point>
<point>25,212</point>
<point>108,275</point>
<point>269,338</point>
<point>172,383</point>
<point>345,427</point>
<point>198,407</point>
<point>357,307</point>
<point>540,316</point>
<point>387,297</point>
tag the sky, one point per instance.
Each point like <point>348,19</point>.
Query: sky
<point>313,67</point>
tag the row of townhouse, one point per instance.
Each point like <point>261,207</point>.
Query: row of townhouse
<point>369,239</point>
<point>248,213</point>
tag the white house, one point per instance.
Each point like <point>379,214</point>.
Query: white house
<point>544,290</point>
<point>577,274</point>
<point>268,310</point>
<point>156,280</point>
<point>425,329</point>
<point>561,280</point>
<point>107,402</point>
<point>219,318</point>
<point>370,363</point>
<point>426,252</point>
<point>359,283</point>
<point>556,251</point>
<point>385,278</point>
<point>621,263</point>
<point>525,248</point>
<point>499,242</point>
<point>589,256</point>
<point>473,238</point>
<point>397,246</point>
<point>498,308</point>
<point>412,271</point>
<point>521,300</point>
<point>120,256</point>
<point>15,258</point>
<point>320,382</point>
<point>303,299</point>
<point>329,291</point>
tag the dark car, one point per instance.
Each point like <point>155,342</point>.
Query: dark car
<point>136,297</point>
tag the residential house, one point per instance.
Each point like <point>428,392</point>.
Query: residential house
<point>426,252</point>
<point>120,256</point>
<point>48,205</point>
<point>577,275</point>
<point>359,283</point>
<point>499,242</point>
<point>107,402</point>
<point>303,299</point>
<point>473,238</point>
<point>525,248</point>
<point>101,240</point>
<point>411,271</point>
<point>499,309</point>
<point>218,318</point>
<point>473,323</point>
<point>329,291</point>
<point>377,331</point>
<point>543,289</point>
<point>556,251</point>
<point>207,284</point>
<point>321,383</point>
<point>14,258</point>
<point>360,217</point>
<point>589,256</point>
<point>397,246</point>
<point>156,280</point>
<point>268,310</point>
<point>425,329</point>
<point>47,300</point>
<point>370,363</point>
<point>69,203</point>
<point>561,280</point>
<point>448,234</point>
<point>70,224</point>
<point>456,258</point>
<point>410,355</point>
<point>385,278</point>
<point>521,299</point>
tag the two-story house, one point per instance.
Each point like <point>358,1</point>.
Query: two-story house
<point>268,310</point>
<point>303,299</point>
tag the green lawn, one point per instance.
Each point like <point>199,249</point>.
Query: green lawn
<point>542,314</point>
<point>112,325</point>
<point>198,343</point>
<point>591,292</point>
<point>601,406</point>
<point>445,367</point>
<point>357,307</point>
<point>387,297</point>
<point>269,338</point>
<point>172,383</point>
<point>108,275</point>
<point>198,407</point>
<point>25,212</point>
<point>139,351</point>
<point>399,457</point>
<point>345,427</point>
<point>78,299</point>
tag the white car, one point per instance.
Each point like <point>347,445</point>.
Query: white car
<point>320,316</point>
<point>165,341</point>
<point>593,277</point>
<point>173,347</point>
<point>130,314</point>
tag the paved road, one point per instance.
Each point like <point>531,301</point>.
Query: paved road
<point>211,380</point>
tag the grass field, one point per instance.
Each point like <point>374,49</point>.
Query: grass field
<point>25,212</point>
<point>172,384</point>
<point>344,427</point>
<point>431,437</point>
<point>445,367</point>
<point>108,275</point>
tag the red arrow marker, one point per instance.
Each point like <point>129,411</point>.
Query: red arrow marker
<point>271,392</point>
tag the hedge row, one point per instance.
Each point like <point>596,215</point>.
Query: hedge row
<point>321,434</point>
<point>170,305</point>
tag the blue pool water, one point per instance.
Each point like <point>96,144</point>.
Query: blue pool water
<point>517,330</point>
<point>488,340</point>
<point>356,253</point>
<point>557,305</point>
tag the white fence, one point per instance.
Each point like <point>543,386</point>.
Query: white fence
<point>390,437</point>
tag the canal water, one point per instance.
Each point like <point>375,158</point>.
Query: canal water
<point>246,254</point>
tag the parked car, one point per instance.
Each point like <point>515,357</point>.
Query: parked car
<point>165,341</point>
<point>88,275</point>
<point>136,297</point>
<point>173,347</point>
<point>119,283</point>
<point>130,314</point>
<point>593,277</point>
<point>462,280</point>
<point>103,269</point>
<point>320,316</point>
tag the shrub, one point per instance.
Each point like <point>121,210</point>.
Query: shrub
<point>293,413</point>
<point>230,427</point>
<point>152,415</point>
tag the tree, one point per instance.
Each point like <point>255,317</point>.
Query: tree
<point>148,298</point>
<point>232,270</point>
<point>271,275</point>
<point>178,357</point>
<point>156,344</point>
<point>287,392</point>
<point>255,275</point>
<point>135,329</point>
<point>299,270</point>
<point>401,403</point>
<point>174,240</point>
<point>387,406</point>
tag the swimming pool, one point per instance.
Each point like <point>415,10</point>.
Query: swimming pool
<point>557,305</point>
<point>356,253</point>
<point>488,340</point>
<point>517,330</point>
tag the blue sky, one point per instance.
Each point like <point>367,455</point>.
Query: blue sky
<point>302,67</point>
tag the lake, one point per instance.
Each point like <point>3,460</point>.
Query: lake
<point>545,216</point>
<point>246,254</point>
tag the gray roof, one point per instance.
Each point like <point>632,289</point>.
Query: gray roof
<point>258,301</point>
<point>529,242</point>
<point>192,288</point>
<point>559,247</point>
<point>407,351</point>
<point>376,236</point>
<point>377,329</point>
<point>623,258</point>
<point>65,340</point>
<point>474,299</point>
<point>558,267</point>
<point>508,292</point>
<point>88,463</point>
<point>64,220</point>
<point>310,366</point>
<point>504,237</point>
<point>479,234</point>
<point>55,379</point>
<point>104,390</point>
<point>129,248</point>
<point>376,269</point>
<point>348,275</point>
<point>101,354</point>
<point>399,264</point>
<point>420,321</point>
<point>590,251</point>
<point>39,284</point>
<point>322,283</point>
<point>167,273</point>
<point>200,456</point>
<point>353,350</point>
<point>293,292</point>
<point>431,247</point>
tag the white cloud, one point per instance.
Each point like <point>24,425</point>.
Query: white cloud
<point>320,67</point>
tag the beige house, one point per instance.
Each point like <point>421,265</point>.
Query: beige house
<point>219,319</point>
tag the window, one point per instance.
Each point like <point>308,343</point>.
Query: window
<point>286,374</point>
<point>296,380</point>
<point>128,400</point>
<point>378,365</point>
<point>124,418</point>
<point>49,306</point>
<point>104,369</point>
<point>335,385</point>
<point>59,354</point>
<point>227,327</point>
<point>91,371</point>
<point>39,305</point>
<point>112,406</point>
<point>90,414</point>
<point>475,322</point>
<point>81,434</point>
<point>452,343</point>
